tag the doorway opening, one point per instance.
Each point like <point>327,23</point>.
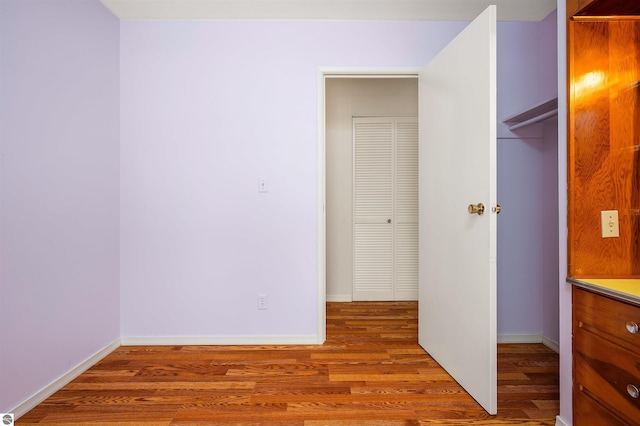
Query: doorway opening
<point>344,94</point>
<point>372,189</point>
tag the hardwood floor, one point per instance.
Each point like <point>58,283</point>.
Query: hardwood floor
<point>370,371</point>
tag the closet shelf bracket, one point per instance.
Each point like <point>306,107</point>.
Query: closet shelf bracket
<point>535,114</point>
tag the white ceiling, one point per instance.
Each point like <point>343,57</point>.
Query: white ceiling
<point>454,10</point>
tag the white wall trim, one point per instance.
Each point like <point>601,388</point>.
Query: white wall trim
<point>388,72</point>
<point>560,422</point>
<point>339,298</point>
<point>520,338</point>
<point>554,346</point>
<point>218,340</point>
<point>529,338</point>
<point>322,215</point>
<point>63,380</point>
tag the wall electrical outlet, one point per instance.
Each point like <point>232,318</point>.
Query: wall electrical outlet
<point>609,223</point>
<point>262,302</point>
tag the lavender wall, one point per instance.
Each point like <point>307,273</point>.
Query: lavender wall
<point>59,186</point>
<point>207,108</point>
<point>517,73</point>
<point>548,71</point>
<point>527,184</point>
<point>520,256</point>
<point>548,53</point>
<point>549,211</point>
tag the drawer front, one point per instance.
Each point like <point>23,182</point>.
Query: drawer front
<point>587,412</point>
<point>608,372</point>
<point>607,318</point>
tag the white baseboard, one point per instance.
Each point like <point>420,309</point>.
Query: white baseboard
<point>560,422</point>
<point>218,340</point>
<point>519,338</point>
<point>554,346</point>
<point>62,381</point>
<point>339,298</point>
<point>529,338</point>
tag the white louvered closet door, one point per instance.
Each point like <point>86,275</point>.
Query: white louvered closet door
<point>385,209</point>
<point>406,210</point>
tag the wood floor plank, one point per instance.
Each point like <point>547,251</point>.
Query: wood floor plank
<point>370,372</point>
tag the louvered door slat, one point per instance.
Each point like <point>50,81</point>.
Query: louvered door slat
<point>406,187</point>
<point>385,209</point>
<point>373,207</point>
<point>406,210</point>
<point>406,257</point>
<point>373,170</point>
<point>373,259</point>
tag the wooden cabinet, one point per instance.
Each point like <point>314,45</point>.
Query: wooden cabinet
<point>603,81</point>
<point>606,354</point>
<point>604,135</point>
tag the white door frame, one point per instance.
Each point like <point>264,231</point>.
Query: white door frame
<point>324,73</point>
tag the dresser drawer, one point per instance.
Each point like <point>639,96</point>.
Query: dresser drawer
<point>589,412</point>
<point>608,318</point>
<point>608,373</point>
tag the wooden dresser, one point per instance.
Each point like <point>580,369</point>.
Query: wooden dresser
<point>606,359</point>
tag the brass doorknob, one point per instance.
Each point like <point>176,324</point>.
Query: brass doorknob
<point>497,209</point>
<point>476,209</point>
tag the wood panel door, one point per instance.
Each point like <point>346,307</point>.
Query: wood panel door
<point>385,200</point>
<point>457,302</point>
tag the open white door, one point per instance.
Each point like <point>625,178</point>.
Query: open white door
<point>457,284</point>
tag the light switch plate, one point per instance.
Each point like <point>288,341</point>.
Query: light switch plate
<point>609,223</point>
<point>263,185</point>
